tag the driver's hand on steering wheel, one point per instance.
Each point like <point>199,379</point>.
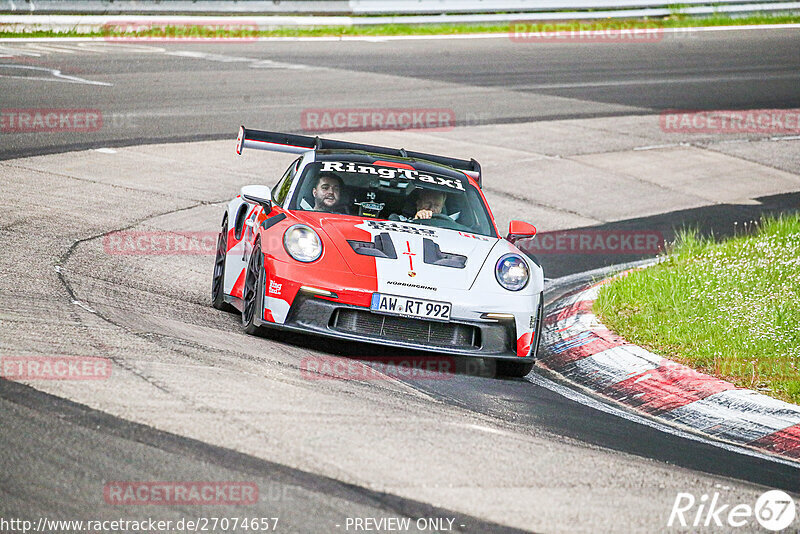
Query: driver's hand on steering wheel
<point>424,214</point>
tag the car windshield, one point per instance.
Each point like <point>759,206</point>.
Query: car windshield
<point>383,191</point>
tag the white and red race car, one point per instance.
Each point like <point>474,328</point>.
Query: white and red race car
<point>380,245</point>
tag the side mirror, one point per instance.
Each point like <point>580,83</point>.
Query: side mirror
<point>520,230</point>
<point>258,194</point>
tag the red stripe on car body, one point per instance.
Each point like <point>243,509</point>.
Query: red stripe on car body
<point>524,344</point>
<point>394,164</point>
<point>236,291</point>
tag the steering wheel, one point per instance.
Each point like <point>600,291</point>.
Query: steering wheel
<point>440,220</point>
<point>434,217</point>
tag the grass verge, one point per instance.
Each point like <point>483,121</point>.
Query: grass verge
<point>189,31</point>
<point>730,309</point>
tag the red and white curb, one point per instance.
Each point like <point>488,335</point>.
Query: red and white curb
<point>584,351</point>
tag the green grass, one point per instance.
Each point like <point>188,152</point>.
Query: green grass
<point>730,309</point>
<point>673,21</point>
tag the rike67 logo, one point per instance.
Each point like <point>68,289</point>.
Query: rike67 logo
<point>774,510</point>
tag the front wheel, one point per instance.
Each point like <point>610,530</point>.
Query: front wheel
<point>253,292</point>
<point>513,369</point>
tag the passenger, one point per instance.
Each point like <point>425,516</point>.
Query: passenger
<point>328,193</point>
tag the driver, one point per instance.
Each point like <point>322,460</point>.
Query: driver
<point>429,203</point>
<point>327,193</point>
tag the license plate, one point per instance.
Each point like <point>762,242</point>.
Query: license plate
<point>408,307</point>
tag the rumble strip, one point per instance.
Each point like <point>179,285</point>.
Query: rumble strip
<point>584,351</point>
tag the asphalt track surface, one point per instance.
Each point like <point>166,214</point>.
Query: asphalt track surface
<point>185,91</point>
<point>494,455</point>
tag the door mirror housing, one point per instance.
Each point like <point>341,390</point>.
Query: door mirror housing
<point>258,194</point>
<point>520,230</point>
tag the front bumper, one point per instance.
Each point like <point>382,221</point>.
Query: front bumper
<point>489,339</point>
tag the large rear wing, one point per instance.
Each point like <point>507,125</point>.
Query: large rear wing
<point>297,144</point>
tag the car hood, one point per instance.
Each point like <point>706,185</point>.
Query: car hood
<point>410,255</point>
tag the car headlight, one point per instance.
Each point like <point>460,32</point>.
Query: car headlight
<point>302,243</point>
<point>512,272</point>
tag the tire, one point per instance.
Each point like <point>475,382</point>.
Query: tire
<point>513,369</point>
<point>218,276</point>
<point>253,292</point>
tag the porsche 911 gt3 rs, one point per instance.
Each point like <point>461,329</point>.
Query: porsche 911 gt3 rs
<point>381,245</point>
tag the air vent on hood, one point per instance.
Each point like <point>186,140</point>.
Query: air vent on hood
<point>381,247</point>
<point>433,255</point>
